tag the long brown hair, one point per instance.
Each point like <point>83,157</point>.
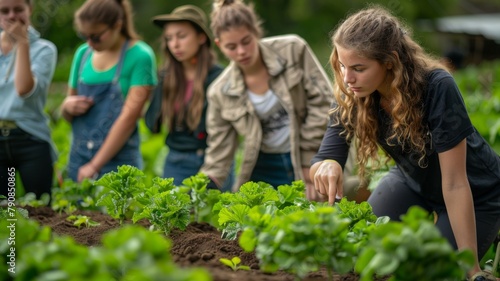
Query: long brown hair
<point>227,14</point>
<point>174,85</point>
<point>376,34</point>
<point>108,12</point>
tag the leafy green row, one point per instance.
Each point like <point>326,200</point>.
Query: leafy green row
<point>128,253</point>
<point>347,237</point>
<point>288,232</point>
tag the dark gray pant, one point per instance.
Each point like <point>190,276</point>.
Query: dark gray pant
<point>393,197</point>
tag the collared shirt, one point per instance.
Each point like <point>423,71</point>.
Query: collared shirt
<point>28,111</point>
<point>303,88</point>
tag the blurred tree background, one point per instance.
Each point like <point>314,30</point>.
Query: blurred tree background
<point>312,19</point>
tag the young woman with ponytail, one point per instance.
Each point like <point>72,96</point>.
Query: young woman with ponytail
<point>111,78</point>
<point>274,94</point>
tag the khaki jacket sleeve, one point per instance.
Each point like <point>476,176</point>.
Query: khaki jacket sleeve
<point>319,93</point>
<point>222,141</point>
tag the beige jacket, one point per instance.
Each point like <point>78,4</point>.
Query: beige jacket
<point>302,86</point>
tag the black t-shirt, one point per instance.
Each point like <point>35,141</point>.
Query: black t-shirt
<point>448,124</point>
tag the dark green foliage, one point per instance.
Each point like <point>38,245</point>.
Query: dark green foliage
<point>412,249</point>
<point>203,199</point>
<point>233,208</point>
<point>119,191</point>
<point>127,253</point>
<point>72,196</point>
<point>305,240</point>
<point>166,210</point>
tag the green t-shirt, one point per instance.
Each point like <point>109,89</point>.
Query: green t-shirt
<point>139,68</point>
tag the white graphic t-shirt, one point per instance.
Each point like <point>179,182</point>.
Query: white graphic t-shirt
<point>274,120</point>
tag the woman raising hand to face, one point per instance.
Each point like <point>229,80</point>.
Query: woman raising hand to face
<point>27,66</point>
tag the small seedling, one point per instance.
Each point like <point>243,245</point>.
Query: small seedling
<point>79,220</point>
<point>29,199</point>
<point>234,263</point>
<point>8,209</point>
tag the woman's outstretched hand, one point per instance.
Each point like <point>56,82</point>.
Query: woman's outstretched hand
<point>328,180</point>
<point>311,193</point>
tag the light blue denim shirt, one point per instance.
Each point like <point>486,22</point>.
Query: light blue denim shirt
<point>28,111</point>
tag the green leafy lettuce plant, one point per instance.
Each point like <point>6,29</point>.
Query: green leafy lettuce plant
<point>119,191</point>
<point>61,258</point>
<point>134,253</point>
<point>29,199</point>
<point>412,249</point>
<point>10,211</point>
<point>128,253</point>
<point>232,208</point>
<point>203,199</point>
<point>72,196</point>
<point>31,232</point>
<point>301,241</point>
<point>166,210</point>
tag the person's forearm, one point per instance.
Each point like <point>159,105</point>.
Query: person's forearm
<point>23,79</point>
<point>460,208</point>
<point>119,134</point>
<point>122,128</point>
<point>64,106</point>
<point>65,114</point>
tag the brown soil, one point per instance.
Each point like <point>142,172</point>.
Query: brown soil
<point>200,245</point>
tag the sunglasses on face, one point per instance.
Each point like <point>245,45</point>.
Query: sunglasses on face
<point>94,38</point>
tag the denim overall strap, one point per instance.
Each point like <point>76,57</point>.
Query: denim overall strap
<point>120,63</point>
<point>91,129</point>
<point>118,66</point>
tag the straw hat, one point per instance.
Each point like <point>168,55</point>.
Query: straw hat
<point>185,13</point>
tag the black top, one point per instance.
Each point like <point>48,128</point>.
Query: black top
<point>448,124</point>
<point>180,138</point>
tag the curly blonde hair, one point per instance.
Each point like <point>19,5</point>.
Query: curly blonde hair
<point>374,33</point>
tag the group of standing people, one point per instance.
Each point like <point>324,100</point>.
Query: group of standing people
<point>274,96</point>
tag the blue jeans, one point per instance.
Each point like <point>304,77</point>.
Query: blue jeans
<point>181,165</point>
<point>273,168</point>
<point>30,157</point>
